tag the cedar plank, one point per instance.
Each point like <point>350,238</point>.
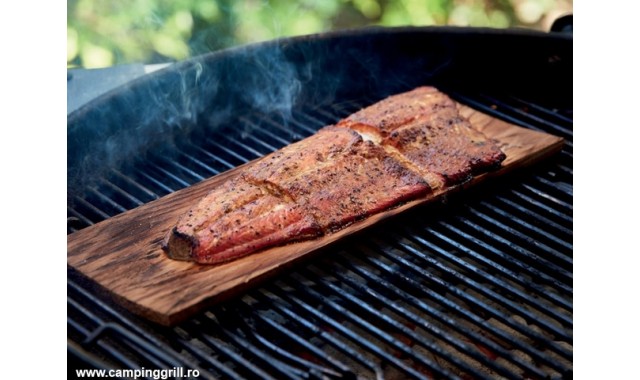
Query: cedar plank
<point>122,254</point>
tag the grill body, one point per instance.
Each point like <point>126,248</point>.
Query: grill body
<point>477,287</point>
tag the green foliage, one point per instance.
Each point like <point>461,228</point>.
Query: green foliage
<point>102,33</point>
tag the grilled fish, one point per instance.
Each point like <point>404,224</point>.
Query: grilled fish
<point>399,149</point>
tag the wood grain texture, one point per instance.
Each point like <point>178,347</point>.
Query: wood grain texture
<point>123,256</point>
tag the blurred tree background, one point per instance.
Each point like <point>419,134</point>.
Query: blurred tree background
<point>103,33</point>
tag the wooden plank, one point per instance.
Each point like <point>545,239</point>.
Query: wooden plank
<point>123,256</point>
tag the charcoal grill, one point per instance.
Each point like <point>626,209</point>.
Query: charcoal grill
<point>478,286</point>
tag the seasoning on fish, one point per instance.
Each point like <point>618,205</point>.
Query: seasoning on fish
<point>399,149</point>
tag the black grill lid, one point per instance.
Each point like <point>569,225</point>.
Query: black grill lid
<point>478,287</point>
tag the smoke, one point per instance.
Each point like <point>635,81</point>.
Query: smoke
<point>147,114</point>
<point>272,83</point>
<point>195,99</point>
<point>264,81</point>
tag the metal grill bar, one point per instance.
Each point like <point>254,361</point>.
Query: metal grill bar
<point>221,348</point>
<point>418,288</point>
<point>227,165</point>
<point>398,306</point>
<point>98,214</point>
<point>194,176</point>
<point>260,357</point>
<point>514,115</point>
<point>538,204</point>
<point>266,131</point>
<point>511,277</point>
<point>199,164</point>
<point>130,183</point>
<point>165,174</point>
<point>445,256</point>
<point>240,159</point>
<point>287,310</point>
<point>121,194</point>
<point>145,174</point>
<point>126,330</point>
<point>336,112</point>
<point>557,203</point>
<point>527,260</point>
<point>433,347</point>
<point>73,213</point>
<point>297,127</point>
<point>512,208</point>
<point>298,340</point>
<point>550,114</point>
<point>249,151</point>
<point>529,228</point>
<point>259,137</point>
<point>521,112</point>
<point>106,201</point>
<point>492,296</point>
<point>368,345</point>
<point>311,123</point>
<point>373,315</point>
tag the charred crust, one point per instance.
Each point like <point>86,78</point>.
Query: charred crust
<point>179,246</point>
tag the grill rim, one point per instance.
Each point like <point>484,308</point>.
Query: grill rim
<point>329,35</point>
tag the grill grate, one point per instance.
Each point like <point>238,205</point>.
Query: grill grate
<point>479,287</point>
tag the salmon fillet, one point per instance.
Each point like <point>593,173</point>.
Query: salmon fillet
<point>424,130</point>
<point>234,220</point>
<point>338,178</point>
<point>399,149</point>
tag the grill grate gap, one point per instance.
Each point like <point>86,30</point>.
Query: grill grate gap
<point>443,299</point>
<point>516,257</point>
<point>368,337</point>
<point>418,332</point>
<point>321,335</point>
<point>451,287</point>
<point>443,260</point>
